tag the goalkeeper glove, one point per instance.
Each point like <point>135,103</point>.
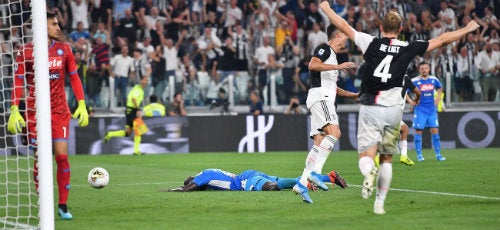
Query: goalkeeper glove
<point>16,121</point>
<point>82,114</point>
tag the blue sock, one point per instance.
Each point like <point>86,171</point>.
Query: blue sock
<point>436,142</point>
<point>286,183</point>
<point>418,144</point>
<point>325,178</point>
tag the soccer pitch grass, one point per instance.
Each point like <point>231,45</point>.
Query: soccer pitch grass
<point>461,193</point>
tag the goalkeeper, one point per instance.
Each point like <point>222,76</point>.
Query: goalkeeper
<point>61,61</point>
<point>132,111</point>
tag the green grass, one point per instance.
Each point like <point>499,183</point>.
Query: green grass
<point>461,193</point>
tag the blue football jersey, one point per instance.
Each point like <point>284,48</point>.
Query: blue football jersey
<point>216,179</point>
<point>426,87</point>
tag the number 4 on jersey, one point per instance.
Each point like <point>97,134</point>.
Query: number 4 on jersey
<point>382,70</point>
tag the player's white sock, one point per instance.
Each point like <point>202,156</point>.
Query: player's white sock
<point>311,159</point>
<point>324,150</point>
<point>365,165</point>
<point>403,146</point>
<point>384,179</point>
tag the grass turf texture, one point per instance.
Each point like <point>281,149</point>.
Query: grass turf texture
<point>461,193</point>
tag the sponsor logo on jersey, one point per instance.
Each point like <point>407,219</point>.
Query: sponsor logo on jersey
<point>60,52</point>
<point>426,87</point>
<point>55,63</point>
<point>54,76</point>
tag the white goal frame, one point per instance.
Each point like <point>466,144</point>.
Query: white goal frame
<point>43,114</point>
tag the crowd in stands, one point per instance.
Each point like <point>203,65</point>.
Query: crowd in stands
<point>202,42</point>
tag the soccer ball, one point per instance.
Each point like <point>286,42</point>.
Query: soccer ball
<point>98,177</point>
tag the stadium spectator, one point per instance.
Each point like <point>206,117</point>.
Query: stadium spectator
<point>190,84</point>
<point>122,69</point>
<point>463,81</point>
<point>294,106</point>
<point>93,86</point>
<point>289,54</point>
<point>158,66</point>
<point>79,33</point>
<point>176,107</point>
<point>127,27</point>
<point>180,16</point>
<point>226,63</point>
<point>488,64</point>
<point>102,32</point>
<point>79,13</point>
<point>315,37</point>
<point>261,59</point>
<point>143,69</point>
<point>208,43</point>
<point>248,180</point>
<point>171,55</point>
<point>256,107</point>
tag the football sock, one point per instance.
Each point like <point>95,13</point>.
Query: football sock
<point>324,149</point>
<point>63,207</point>
<point>384,179</point>
<point>35,171</point>
<point>286,183</point>
<point>366,164</point>
<point>403,146</point>
<point>418,144</point>
<point>436,142</point>
<point>117,133</point>
<point>63,177</point>
<point>310,162</point>
<point>137,143</point>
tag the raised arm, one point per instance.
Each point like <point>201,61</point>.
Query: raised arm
<point>337,21</point>
<point>317,65</point>
<point>449,37</point>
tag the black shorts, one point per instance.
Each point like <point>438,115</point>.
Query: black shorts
<point>130,115</point>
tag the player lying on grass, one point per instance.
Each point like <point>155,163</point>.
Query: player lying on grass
<point>248,180</point>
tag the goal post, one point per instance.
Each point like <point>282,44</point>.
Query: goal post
<point>20,205</point>
<point>43,116</point>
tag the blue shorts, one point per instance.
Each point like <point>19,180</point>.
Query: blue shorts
<point>255,183</point>
<point>423,120</point>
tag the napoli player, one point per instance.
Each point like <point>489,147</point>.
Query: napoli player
<point>380,112</point>
<point>61,61</point>
<point>425,113</point>
<point>248,180</point>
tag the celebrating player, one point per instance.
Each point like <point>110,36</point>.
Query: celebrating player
<point>325,131</point>
<point>380,113</point>
<point>61,61</point>
<point>248,180</point>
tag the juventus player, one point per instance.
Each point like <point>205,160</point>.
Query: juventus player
<point>61,61</point>
<point>325,131</point>
<point>380,113</point>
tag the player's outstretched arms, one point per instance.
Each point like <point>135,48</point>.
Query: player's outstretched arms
<point>449,37</point>
<point>336,20</point>
<point>185,188</point>
<point>344,93</point>
<point>317,65</point>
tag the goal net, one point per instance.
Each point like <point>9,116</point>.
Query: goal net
<point>18,197</point>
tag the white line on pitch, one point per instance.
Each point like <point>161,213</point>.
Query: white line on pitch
<point>439,193</point>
